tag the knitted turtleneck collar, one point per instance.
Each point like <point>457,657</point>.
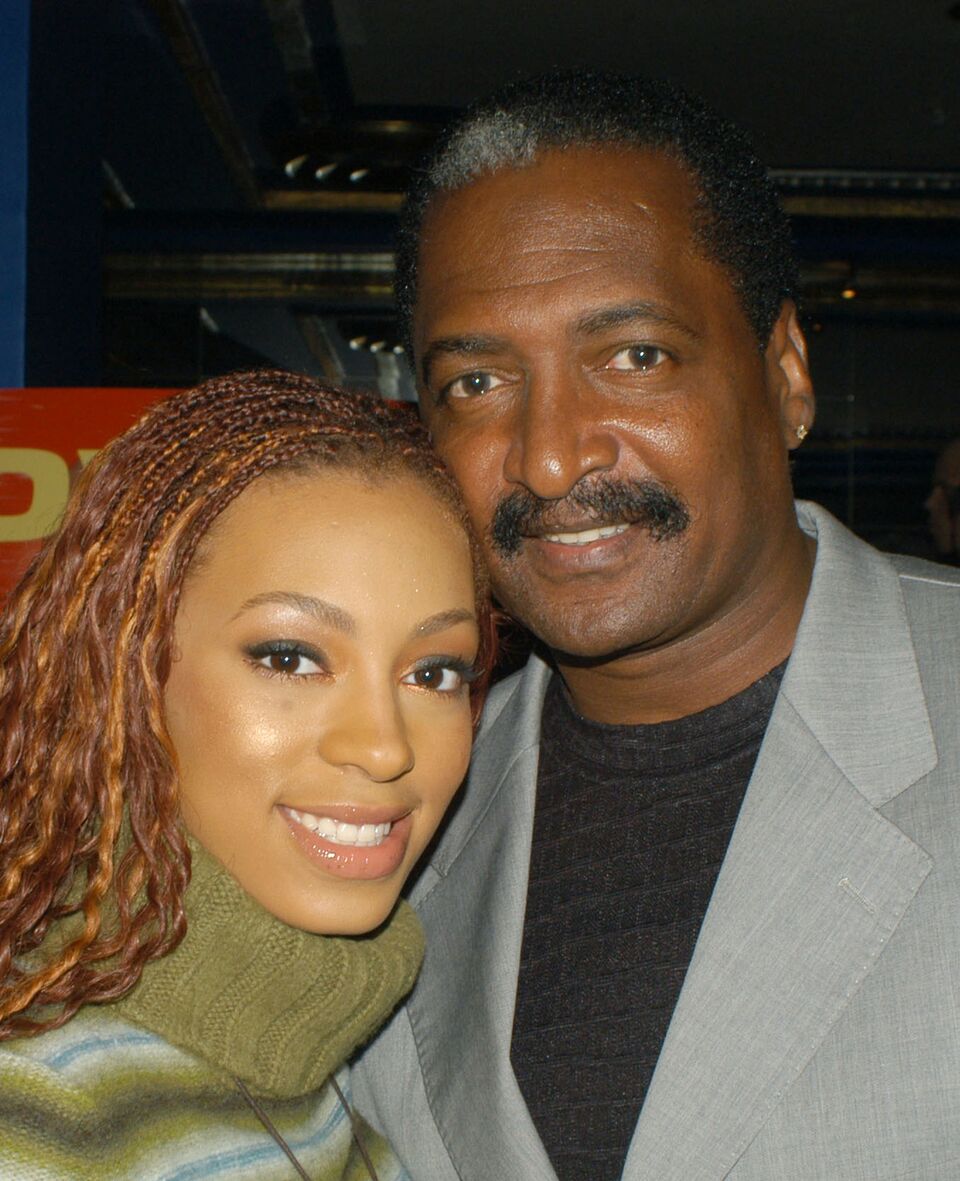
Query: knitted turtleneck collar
<point>279,1008</point>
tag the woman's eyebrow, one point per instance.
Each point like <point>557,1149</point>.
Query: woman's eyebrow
<point>444,619</point>
<point>327,613</point>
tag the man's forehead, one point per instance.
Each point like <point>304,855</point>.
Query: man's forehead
<point>568,211</point>
<point>578,233</point>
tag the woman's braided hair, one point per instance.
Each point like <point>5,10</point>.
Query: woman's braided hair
<point>85,651</point>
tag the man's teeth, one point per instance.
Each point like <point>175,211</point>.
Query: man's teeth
<point>585,536</point>
<point>341,833</point>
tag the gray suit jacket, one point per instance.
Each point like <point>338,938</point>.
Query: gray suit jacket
<point>817,1035</point>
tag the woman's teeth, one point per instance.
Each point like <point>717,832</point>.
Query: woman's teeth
<point>586,536</point>
<point>341,833</point>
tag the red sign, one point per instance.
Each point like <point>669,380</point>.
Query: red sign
<point>46,437</point>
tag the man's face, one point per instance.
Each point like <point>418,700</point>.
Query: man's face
<point>592,381</point>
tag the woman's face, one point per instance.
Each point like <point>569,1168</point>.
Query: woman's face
<point>318,697</point>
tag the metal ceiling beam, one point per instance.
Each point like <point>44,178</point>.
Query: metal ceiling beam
<point>332,201</point>
<point>295,45</point>
<point>364,278</point>
<point>190,53</point>
<point>873,206</point>
<point>354,278</point>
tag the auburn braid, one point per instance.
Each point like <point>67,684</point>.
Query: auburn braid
<point>90,827</point>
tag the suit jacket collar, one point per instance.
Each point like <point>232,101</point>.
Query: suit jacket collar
<point>853,675</point>
<point>814,882</point>
<point>815,879</point>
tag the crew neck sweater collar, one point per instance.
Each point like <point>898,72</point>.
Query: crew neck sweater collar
<point>278,1007</point>
<point>708,734</point>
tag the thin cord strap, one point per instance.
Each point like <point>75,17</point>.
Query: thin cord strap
<point>354,1124</point>
<point>269,1125</point>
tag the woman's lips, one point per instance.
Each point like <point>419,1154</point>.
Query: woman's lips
<point>367,846</point>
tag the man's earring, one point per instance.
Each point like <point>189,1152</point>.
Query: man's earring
<point>802,432</point>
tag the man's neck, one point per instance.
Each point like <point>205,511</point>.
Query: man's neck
<point>693,672</point>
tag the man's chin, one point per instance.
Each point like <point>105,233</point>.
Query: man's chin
<point>582,637</point>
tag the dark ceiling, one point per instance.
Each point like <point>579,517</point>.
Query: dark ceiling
<point>826,84</point>
<point>214,183</point>
<point>252,154</point>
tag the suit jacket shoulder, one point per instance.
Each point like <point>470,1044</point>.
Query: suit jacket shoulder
<point>816,1035</point>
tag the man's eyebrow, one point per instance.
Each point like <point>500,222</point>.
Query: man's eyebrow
<point>444,619</point>
<point>459,346</point>
<point>603,319</point>
<point>320,609</point>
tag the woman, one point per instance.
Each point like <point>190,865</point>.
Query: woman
<point>237,693</point>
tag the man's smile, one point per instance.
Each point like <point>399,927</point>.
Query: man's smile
<point>594,510</point>
<point>586,536</point>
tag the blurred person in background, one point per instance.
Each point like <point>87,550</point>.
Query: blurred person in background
<point>943,504</point>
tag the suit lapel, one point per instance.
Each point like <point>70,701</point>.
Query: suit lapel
<point>815,879</point>
<point>462,1009</point>
<point>814,883</point>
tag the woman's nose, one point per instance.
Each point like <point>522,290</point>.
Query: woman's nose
<point>370,735</point>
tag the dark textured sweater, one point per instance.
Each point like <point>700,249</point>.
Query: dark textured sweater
<point>631,826</point>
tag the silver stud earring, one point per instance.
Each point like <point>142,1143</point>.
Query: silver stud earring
<point>802,432</point>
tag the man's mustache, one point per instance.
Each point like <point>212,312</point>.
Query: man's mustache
<point>608,502</point>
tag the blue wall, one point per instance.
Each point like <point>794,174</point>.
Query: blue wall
<point>14,39</point>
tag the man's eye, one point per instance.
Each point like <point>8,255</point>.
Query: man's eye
<point>286,659</point>
<point>638,357</point>
<point>470,385</point>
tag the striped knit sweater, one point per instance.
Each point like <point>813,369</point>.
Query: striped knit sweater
<point>144,1089</point>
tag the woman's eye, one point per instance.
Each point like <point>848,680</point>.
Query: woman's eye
<point>471,385</point>
<point>290,660</point>
<point>444,678</point>
<point>638,357</point>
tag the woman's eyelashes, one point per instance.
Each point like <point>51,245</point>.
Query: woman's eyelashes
<point>287,658</point>
<point>293,658</point>
<point>442,674</point>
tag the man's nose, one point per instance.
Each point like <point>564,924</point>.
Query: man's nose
<point>367,731</point>
<point>558,437</point>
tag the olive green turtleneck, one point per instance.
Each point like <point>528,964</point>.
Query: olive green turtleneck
<point>278,1007</point>
<point>144,1088</point>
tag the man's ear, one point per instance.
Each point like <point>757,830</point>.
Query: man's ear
<point>789,376</point>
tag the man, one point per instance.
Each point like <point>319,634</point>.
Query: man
<point>943,504</point>
<point>696,915</point>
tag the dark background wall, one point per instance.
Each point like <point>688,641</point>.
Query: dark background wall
<point>214,183</point>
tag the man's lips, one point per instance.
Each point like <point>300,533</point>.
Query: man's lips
<point>582,535</point>
<point>522,517</point>
<point>582,549</point>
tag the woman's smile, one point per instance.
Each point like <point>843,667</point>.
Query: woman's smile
<point>351,850</point>
<point>318,701</point>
